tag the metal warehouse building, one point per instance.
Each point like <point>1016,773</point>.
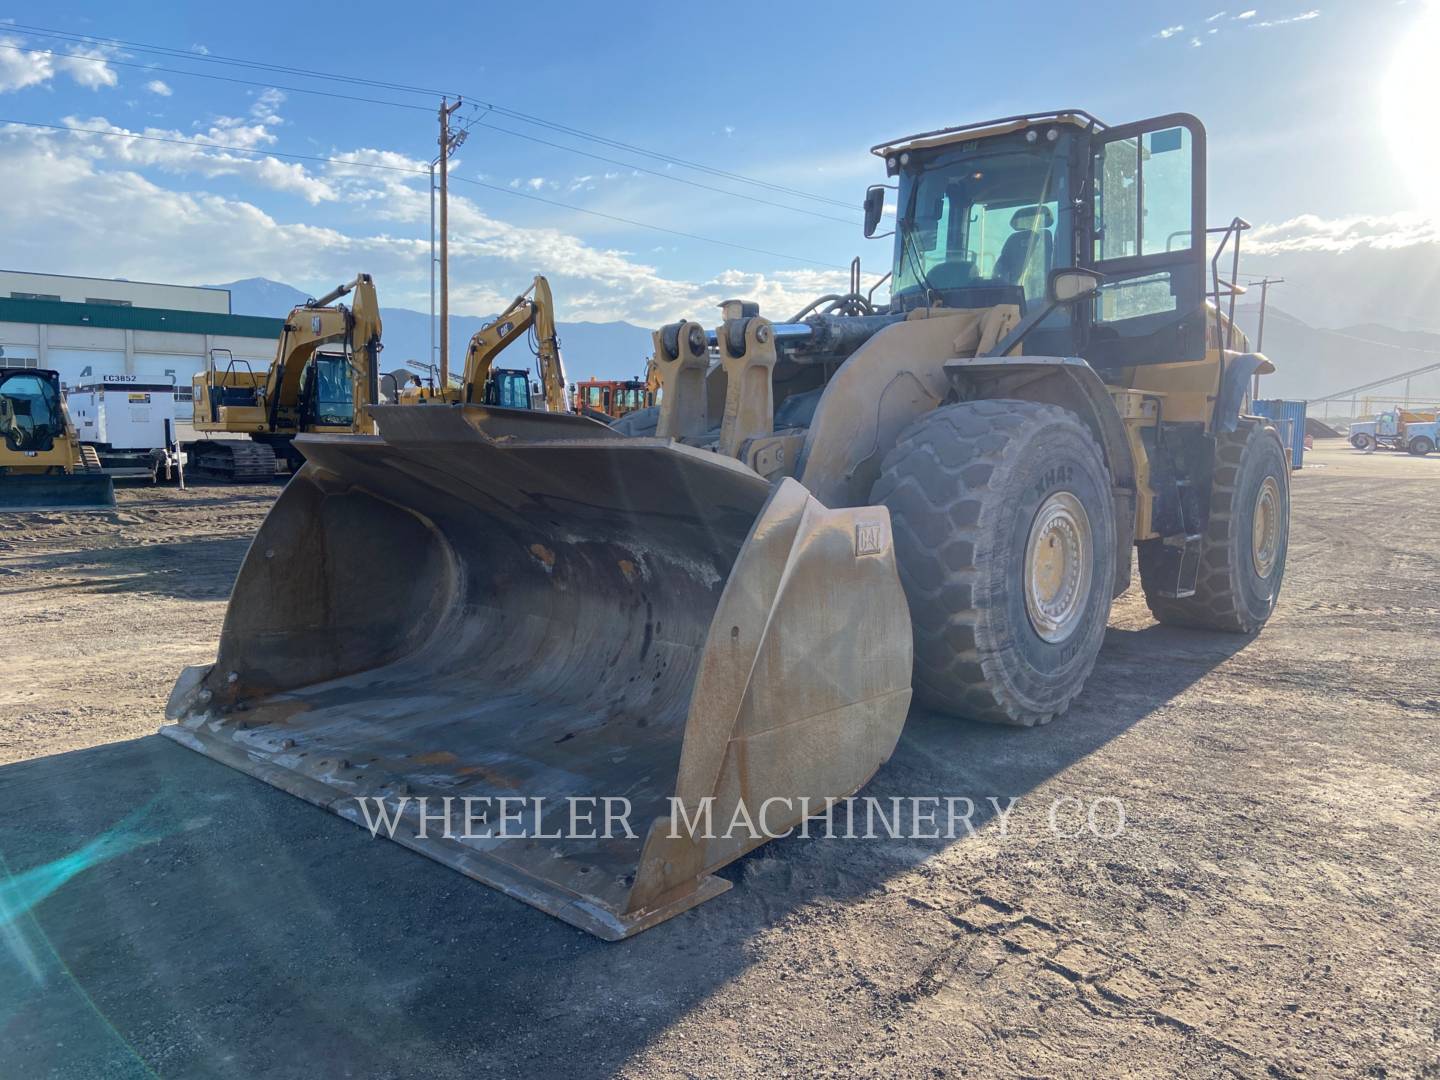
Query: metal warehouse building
<point>89,329</point>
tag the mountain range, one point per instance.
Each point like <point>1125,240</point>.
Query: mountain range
<point>1311,361</point>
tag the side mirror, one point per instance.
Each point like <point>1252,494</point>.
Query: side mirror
<point>874,207</point>
<point>1070,283</point>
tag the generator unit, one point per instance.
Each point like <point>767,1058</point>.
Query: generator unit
<point>130,424</point>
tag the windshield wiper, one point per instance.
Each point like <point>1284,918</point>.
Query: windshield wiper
<point>910,249</point>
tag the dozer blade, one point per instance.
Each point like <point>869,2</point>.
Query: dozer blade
<point>480,603</point>
<point>68,491</point>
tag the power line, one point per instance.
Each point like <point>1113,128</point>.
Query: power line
<point>644,225</point>
<point>426,109</point>
<point>425,172</point>
<point>228,61</point>
<point>665,176</point>
<point>515,114</point>
<point>219,78</point>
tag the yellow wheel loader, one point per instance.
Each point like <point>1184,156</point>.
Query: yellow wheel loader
<point>303,390</point>
<point>721,618</point>
<point>43,465</point>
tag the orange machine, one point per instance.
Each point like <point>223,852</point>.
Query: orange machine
<point>612,397</point>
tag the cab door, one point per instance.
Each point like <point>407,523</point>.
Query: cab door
<point>1146,203</point>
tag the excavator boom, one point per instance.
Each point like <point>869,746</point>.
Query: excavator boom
<point>532,309</point>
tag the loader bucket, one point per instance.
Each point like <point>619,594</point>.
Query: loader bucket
<point>67,491</point>
<point>494,604</point>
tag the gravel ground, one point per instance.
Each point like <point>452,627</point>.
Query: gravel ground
<point>1269,908</point>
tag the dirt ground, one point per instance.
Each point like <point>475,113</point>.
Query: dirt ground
<point>1269,909</point>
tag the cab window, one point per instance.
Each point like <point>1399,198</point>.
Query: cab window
<point>29,413</point>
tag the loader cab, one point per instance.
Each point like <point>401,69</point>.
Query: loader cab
<point>985,213</point>
<point>32,417</point>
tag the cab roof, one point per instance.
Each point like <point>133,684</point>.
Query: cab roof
<point>986,128</point>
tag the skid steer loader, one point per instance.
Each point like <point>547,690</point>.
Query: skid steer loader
<point>729,609</point>
<point>43,464</point>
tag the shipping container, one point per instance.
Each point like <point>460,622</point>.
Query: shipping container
<point>1289,417</point>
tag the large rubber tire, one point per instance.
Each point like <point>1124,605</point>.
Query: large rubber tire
<point>964,485</point>
<point>1231,593</point>
<point>1362,441</point>
<point>1421,445</point>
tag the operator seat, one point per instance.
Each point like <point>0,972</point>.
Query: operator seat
<point>1029,251</point>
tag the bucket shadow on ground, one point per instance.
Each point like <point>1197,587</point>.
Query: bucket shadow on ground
<point>259,934</point>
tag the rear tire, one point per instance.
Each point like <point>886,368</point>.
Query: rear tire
<point>1005,539</point>
<point>1242,553</point>
<point>1421,445</point>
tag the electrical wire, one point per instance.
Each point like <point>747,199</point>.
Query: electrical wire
<point>425,172</point>
<point>581,133</point>
<point>426,109</point>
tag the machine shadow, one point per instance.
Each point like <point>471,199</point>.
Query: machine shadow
<point>193,568</point>
<point>251,932</point>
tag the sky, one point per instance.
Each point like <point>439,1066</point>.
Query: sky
<point>1320,121</point>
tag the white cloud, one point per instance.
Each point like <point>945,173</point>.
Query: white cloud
<point>1310,232</point>
<point>76,204</point>
<point>88,68</point>
<point>198,154</point>
<point>156,86</point>
<point>201,49</point>
<point>1170,31</point>
<point>1250,14</point>
<point>21,67</point>
<point>267,106</point>
<point>1313,13</point>
<point>1213,18</point>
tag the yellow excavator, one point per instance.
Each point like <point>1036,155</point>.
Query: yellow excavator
<point>305,389</point>
<point>484,384</point>
<point>664,649</point>
<point>43,464</point>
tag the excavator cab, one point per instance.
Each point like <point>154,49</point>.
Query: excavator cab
<point>327,398</point>
<point>508,388</point>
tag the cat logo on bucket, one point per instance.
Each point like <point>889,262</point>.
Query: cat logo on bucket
<point>869,538</point>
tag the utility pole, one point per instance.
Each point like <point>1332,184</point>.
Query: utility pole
<point>1264,284</point>
<point>448,146</point>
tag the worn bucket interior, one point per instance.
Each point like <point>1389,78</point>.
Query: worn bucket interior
<point>487,604</point>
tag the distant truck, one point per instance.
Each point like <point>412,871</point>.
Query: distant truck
<point>1419,433</point>
<point>130,425</point>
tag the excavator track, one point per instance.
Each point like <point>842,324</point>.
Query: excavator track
<point>231,461</point>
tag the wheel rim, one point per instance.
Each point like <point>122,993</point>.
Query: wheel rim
<point>1265,527</point>
<point>1058,557</point>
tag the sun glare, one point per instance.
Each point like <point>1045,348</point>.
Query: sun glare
<point>1409,98</point>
